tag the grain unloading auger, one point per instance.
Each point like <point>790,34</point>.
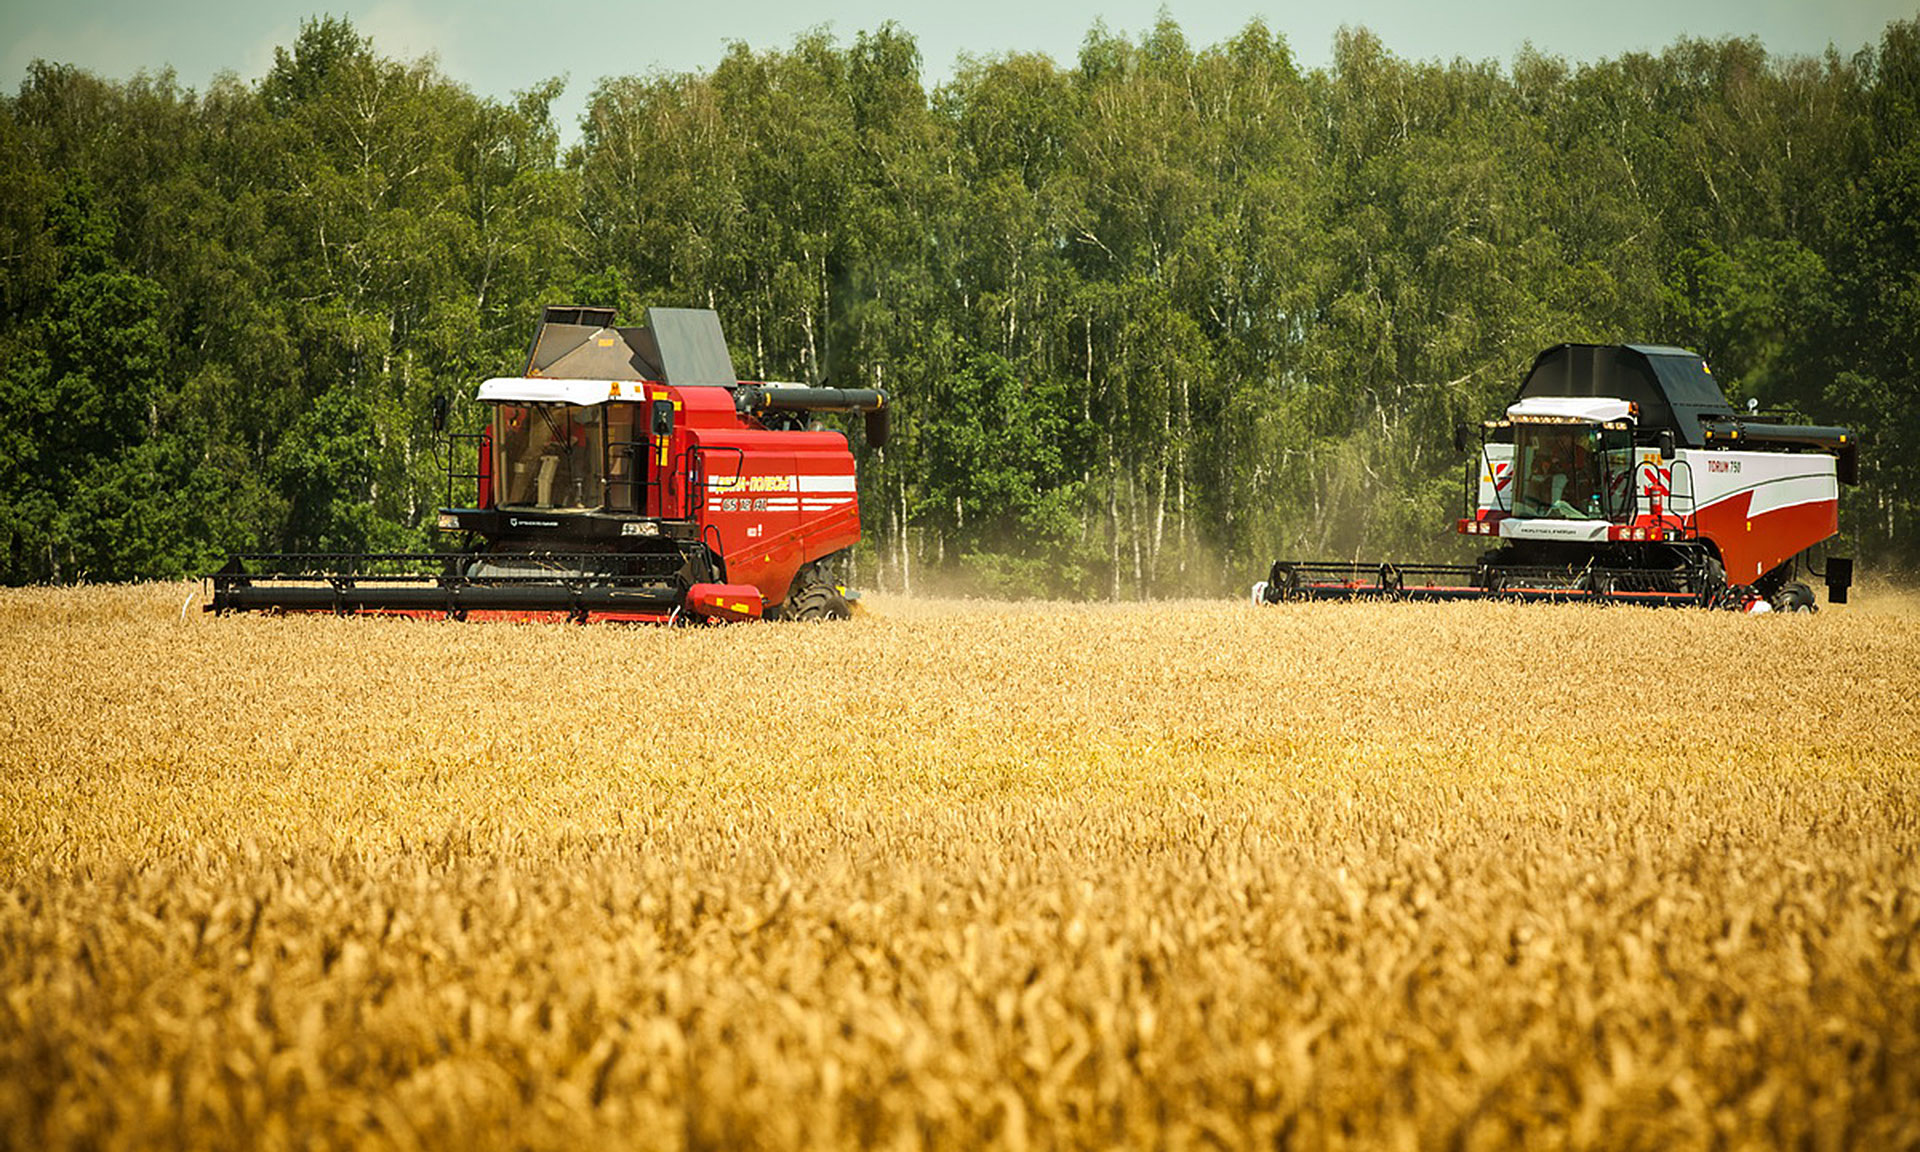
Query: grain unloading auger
<point>625,475</point>
<point>1620,473</point>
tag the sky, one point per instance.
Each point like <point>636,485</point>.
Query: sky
<point>497,48</point>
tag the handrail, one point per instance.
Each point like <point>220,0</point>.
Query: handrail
<point>697,498</point>
<point>699,453</point>
<point>454,474</point>
<point>1690,520</point>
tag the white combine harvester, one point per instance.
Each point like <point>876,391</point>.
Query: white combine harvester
<point>1620,472</point>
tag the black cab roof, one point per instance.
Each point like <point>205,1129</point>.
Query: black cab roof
<point>1673,386</point>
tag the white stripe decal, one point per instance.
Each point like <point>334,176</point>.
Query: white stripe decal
<point>1784,492</point>
<point>1790,493</point>
<point>768,502</point>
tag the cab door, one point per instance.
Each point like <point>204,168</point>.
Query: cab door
<point>626,459</point>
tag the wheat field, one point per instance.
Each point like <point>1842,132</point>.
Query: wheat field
<point>960,874</point>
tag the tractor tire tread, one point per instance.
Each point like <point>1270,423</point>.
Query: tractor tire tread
<point>814,597</point>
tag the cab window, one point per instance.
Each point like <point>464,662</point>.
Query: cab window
<point>550,456</point>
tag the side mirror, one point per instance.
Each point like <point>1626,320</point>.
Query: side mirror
<point>879,427</point>
<point>663,417</point>
<point>438,411</point>
<point>1462,436</point>
<point>1666,444</point>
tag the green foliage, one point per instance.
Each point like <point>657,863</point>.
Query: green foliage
<point>999,473</point>
<point>1148,320</point>
<point>327,467</point>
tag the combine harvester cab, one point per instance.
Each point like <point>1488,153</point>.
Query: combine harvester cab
<point>1620,472</point>
<point>625,475</point>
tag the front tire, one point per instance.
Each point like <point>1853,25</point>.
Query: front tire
<point>1708,578</point>
<point>815,596</point>
<point>1794,597</point>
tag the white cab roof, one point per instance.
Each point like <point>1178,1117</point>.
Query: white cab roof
<point>1599,409</point>
<point>539,390</point>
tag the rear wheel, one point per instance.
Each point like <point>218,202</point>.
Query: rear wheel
<point>815,596</point>
<point>1794,597</point>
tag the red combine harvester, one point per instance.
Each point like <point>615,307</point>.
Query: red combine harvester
<point>1621,473</point>
<point>625,475</point>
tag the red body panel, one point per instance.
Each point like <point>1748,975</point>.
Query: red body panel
<point>725,601</point>
<point>1751,545</point>
<point>767,501</point>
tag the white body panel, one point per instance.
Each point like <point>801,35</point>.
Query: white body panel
<point>1496,479</point>
<point>1543,528</point>
<point>1777,480</point>
<point>1696,478</point>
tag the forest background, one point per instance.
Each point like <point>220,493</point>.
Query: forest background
<point>1148,321</point>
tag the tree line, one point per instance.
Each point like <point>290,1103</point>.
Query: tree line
<point>1149,320</point>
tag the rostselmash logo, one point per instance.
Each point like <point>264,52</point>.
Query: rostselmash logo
<point>516,522</point>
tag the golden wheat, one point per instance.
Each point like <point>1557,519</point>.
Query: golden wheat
<point>953,874</point>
